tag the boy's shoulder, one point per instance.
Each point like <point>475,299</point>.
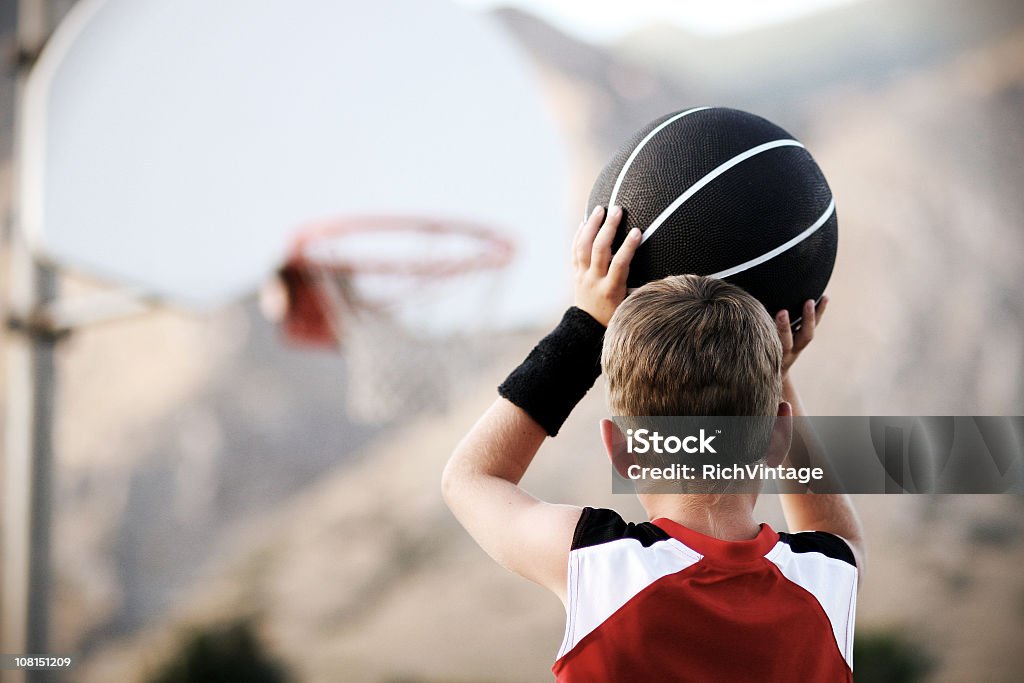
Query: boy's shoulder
<point>822,542</point>
<point>597,526</point>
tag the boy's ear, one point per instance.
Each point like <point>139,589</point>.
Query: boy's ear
<point>782,435</point>
<point>615,446</point>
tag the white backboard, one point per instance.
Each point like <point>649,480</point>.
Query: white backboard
<point>174,145</point>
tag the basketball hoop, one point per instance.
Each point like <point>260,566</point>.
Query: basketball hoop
<point>383,290</point>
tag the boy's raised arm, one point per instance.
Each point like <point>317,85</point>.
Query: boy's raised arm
<point>833,513</point>
<point>481,486</point>
<point>481,480</point>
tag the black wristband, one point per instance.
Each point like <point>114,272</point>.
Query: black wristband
<point>558,372</point>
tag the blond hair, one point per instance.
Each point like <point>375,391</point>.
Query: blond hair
<point>692,345</point>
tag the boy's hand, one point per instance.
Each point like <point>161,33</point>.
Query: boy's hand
<point>600,277</point>
<point>792,346</point>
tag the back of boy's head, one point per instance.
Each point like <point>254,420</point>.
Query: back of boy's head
<point>692,345</point>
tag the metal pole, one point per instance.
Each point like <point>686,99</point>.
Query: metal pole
<point>20,426</point>
<point>41,497</point>
<point>28,452</point>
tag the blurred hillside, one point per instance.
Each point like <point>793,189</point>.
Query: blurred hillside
<point>206,472</point>
<point>863,43</point>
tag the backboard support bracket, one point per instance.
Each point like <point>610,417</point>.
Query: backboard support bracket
<point>37,325</point>
<point>57,319</point>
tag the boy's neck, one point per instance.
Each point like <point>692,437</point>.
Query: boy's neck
<point>729,517</point>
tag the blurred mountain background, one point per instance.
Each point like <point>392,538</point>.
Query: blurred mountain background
<point>206,473</point>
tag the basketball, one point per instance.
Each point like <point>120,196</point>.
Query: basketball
<point>727,194</point>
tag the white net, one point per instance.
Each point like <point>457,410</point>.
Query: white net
<point>390,371</point>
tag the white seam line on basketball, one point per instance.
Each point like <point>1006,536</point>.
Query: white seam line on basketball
<point>640,146</point>
<point>789,244</point>
<point>693,189</point>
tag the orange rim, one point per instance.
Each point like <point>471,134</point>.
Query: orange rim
<point>494,250</point>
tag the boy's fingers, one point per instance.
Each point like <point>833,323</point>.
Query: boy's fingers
<point>785,331</point>
<point>619,268</point>
<point>820,309</point>
<point>585,240</point>
<point>807,325</point>
<point>602,253</point>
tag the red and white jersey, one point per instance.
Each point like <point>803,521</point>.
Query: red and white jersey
<point>660,602</point>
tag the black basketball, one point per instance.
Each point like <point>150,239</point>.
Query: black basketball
<point>728,194</point>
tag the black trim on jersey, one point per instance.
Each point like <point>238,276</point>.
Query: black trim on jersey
<point>600,525</point>
<point>822,542</point>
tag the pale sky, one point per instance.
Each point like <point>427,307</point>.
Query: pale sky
<point>604,20</point>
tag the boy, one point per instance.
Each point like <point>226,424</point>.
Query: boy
<point>702,592</point>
